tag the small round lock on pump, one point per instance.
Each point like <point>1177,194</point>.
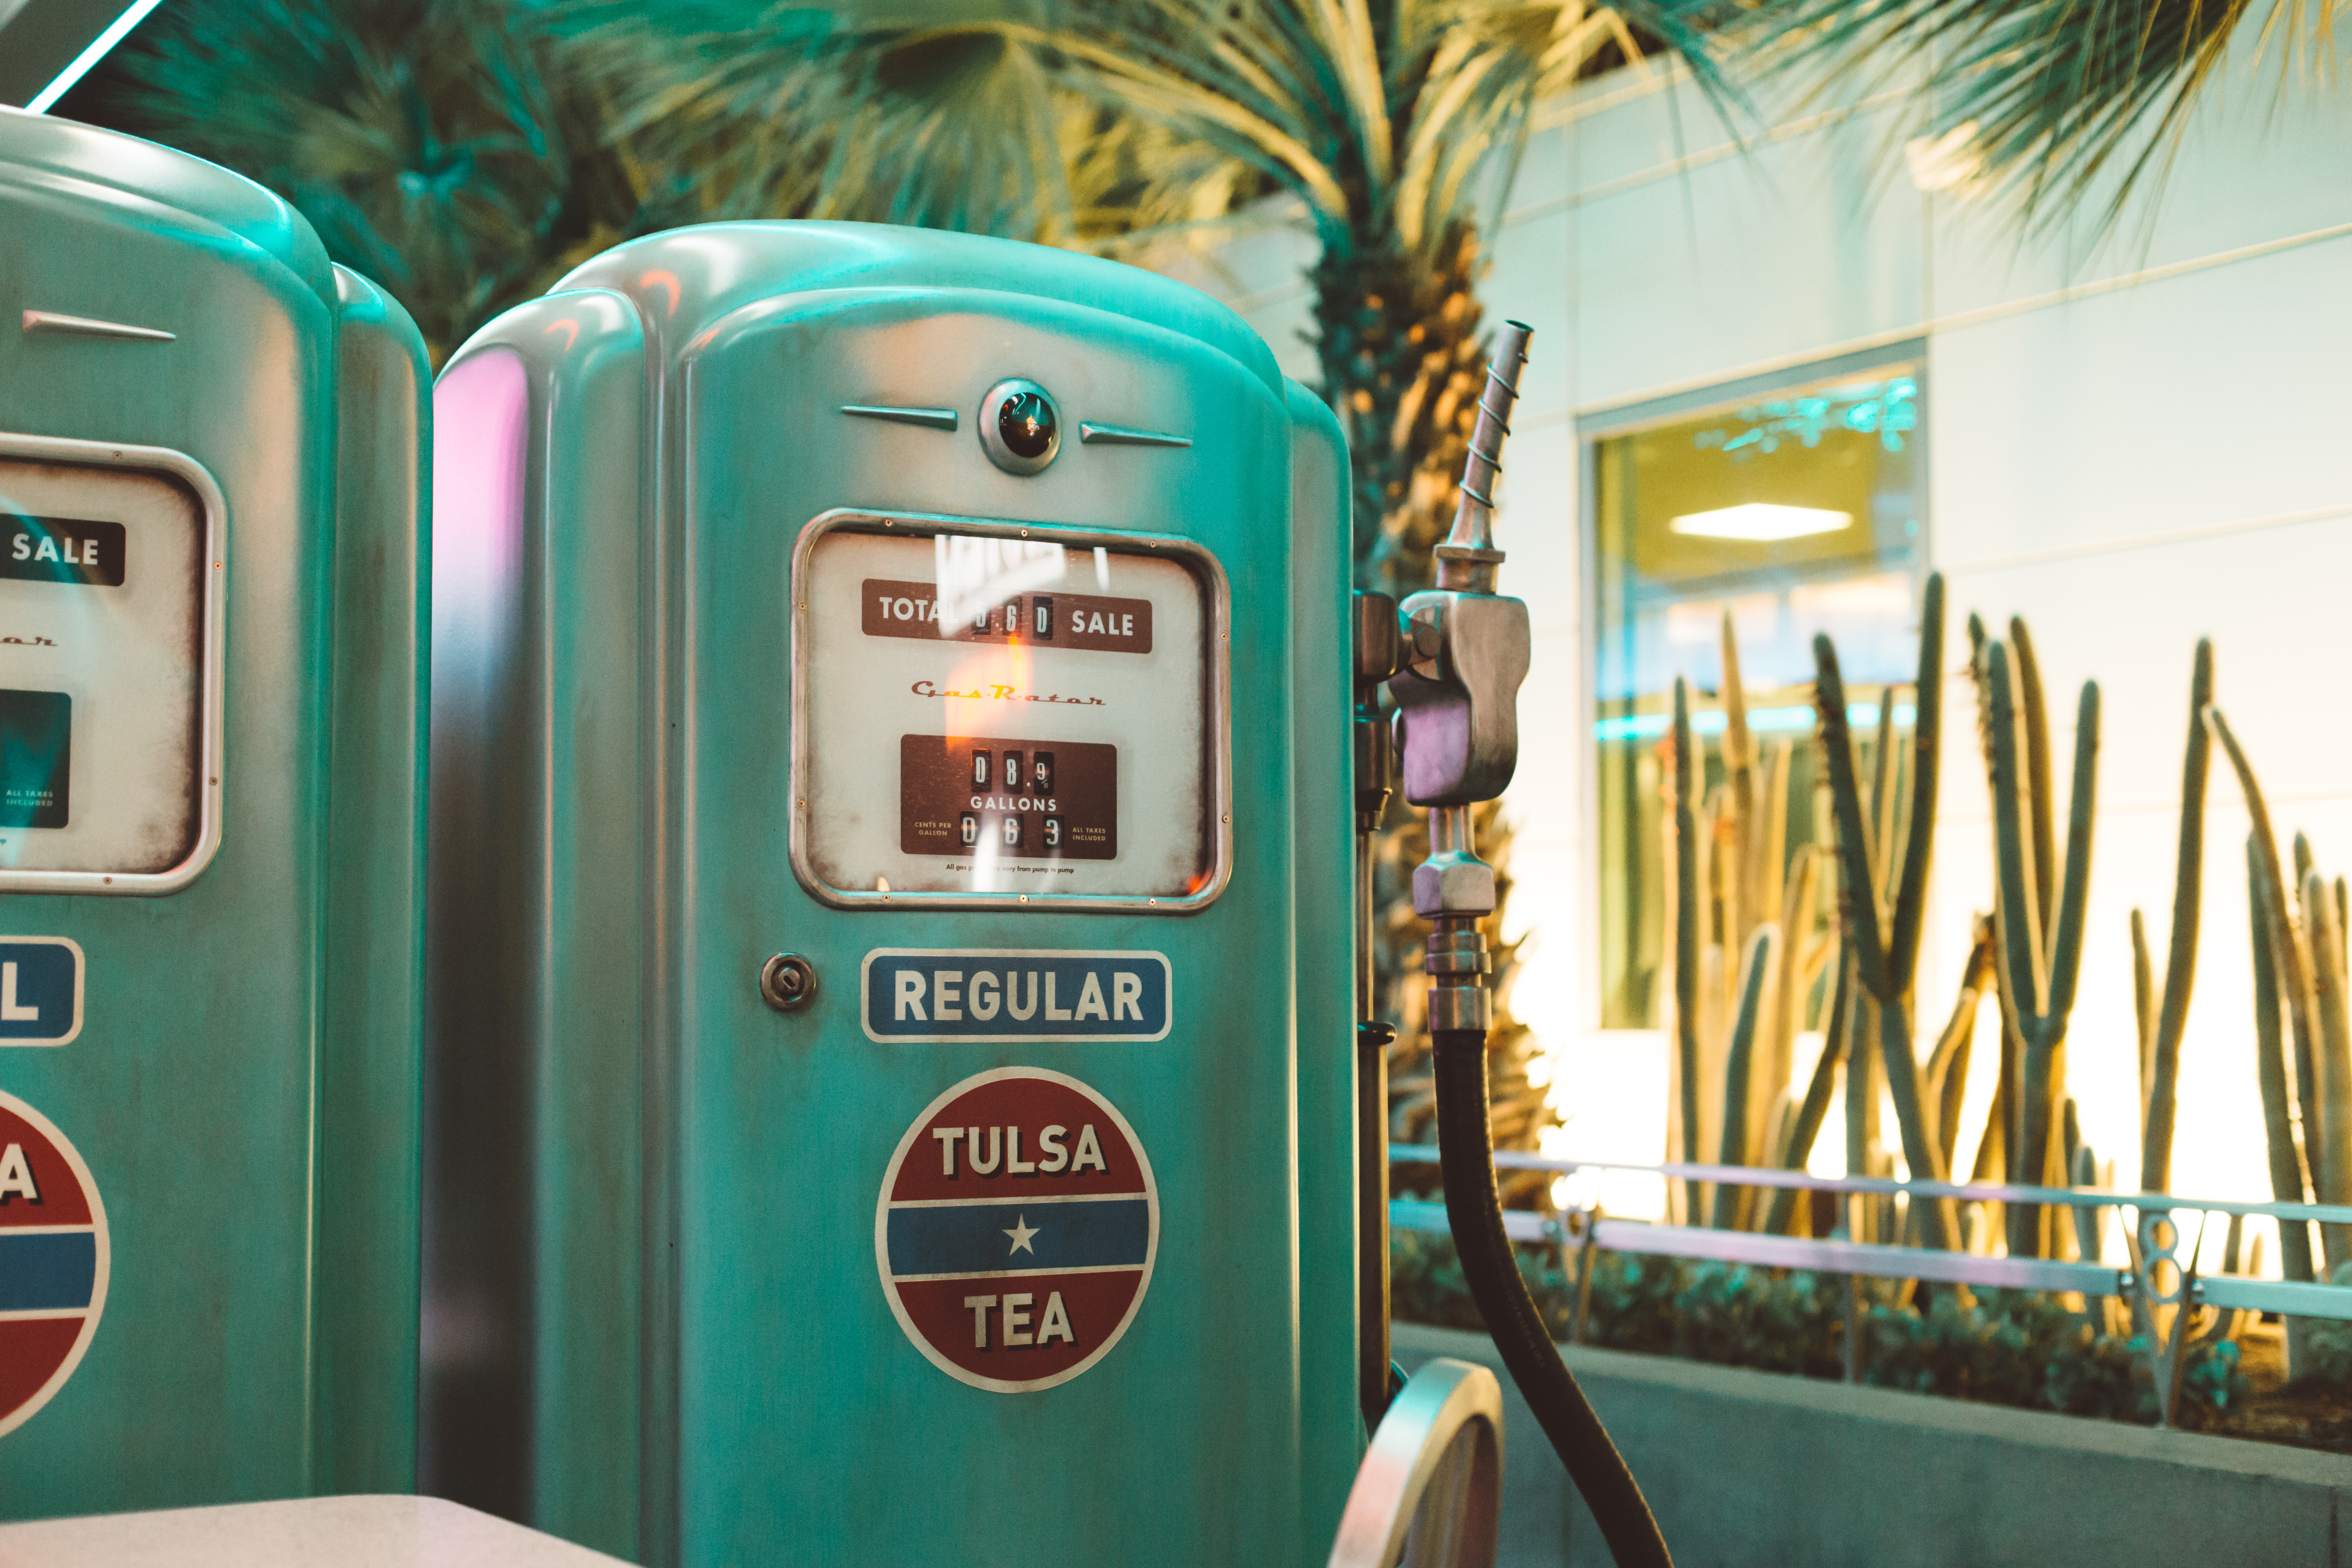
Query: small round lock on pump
<point>787,981</point>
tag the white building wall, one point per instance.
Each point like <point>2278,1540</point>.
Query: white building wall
<point>2130,444</point>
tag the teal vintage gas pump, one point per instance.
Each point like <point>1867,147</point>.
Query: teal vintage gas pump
<point>889,958</point>
<point>211,826</point>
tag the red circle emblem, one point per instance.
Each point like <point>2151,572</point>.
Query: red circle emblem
<point>1016,1229</point>
<point>53,1260</point>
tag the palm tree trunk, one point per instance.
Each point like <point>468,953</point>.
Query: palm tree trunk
<point>1402,359</point>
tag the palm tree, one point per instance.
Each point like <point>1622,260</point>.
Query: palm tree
<point>434,144</point>
<point>1393,126</point>
<point>2035,102</point>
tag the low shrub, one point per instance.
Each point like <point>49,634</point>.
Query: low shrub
<point>2327,1342</point>
<point>2003,1347</point>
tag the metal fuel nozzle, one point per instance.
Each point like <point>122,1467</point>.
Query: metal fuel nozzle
<point>1464,654</point>
<point>1466,646</point>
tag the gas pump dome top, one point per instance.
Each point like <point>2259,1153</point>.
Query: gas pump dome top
<point>686,279</point>
<point>176,191</point>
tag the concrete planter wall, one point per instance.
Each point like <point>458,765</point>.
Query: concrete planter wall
<point>1749,1469</point>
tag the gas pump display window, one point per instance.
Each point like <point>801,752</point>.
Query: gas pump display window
<point>107,667</point>
<point>984,713</point>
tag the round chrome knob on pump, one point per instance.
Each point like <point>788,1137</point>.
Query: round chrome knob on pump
<point>1020,428</point>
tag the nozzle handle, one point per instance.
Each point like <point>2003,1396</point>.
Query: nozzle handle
<point>1471,541</point>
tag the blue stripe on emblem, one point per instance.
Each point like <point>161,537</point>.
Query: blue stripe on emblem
<point>52,1271</point>
<point>975,1238</point>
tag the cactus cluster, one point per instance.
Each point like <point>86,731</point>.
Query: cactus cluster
<point>1827,937</point>
<point>2161,1025</point>
<point>1766,940</point>
<point>2039,953</point>
<point>1753,960</point>
<point>1749,948</point>
<point>1880,890</point>
<point>2298,930</point>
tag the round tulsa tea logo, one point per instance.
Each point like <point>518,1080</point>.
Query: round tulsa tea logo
<point>1016,1229</point>
<point>53,1260</point>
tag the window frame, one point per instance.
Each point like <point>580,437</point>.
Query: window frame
<point>1612,421</point>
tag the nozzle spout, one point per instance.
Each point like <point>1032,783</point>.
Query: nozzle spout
<point>1468,557</point>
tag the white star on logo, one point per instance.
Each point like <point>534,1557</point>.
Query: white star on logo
<point>1021,1232</point>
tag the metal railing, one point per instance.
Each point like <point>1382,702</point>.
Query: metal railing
<point>2161,1280</point>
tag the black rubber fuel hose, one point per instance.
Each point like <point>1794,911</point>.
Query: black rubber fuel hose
<point>1475,1211</point>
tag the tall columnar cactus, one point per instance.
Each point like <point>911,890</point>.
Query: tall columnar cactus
<point>2042,802</point>
<point>1798,961</point>
<point>2327,1147</point>
<point>2143,1014</point>
<point>2335,1053</point>
<point>2040,972</point>
<point>1996,1158</point>
<point>1996,1149</point>
<point>2160,1035</point>
<point>1686,955</point>
<point>1758,974</point>
<point>2084,1172</point>
<point>1813,1110</point>
<point>1734,881</point>
<point>1743,904</point>
<point>1865,1075</point>
<point>1888,967</point>
<point>1743,829</point>
<point>2290,1183</point>
<point>1947,1064</point>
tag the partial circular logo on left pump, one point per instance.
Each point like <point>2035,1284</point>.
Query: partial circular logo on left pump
<point>1016,1229</point>
<point>53,1261</point>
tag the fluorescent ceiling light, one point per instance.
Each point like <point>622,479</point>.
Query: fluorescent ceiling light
<point>115,33</point>
<point>1761,522</point>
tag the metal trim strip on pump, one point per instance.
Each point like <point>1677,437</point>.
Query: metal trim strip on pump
<point>1217,639</point>
<point>215,505</point>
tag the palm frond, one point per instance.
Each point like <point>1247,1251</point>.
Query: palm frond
<point>1459,82</point>
<point>1347,39</point>
<point>945,119</point>
<point>2049,98</point>
<point>1379,114</point>
<point>426,141</point>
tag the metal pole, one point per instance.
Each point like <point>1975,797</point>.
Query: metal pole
<point>1375,641</point>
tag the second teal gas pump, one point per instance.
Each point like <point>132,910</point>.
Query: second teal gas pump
<point>889,983</point>
<point>212,823</point>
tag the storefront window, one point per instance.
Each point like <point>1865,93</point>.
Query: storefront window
<point>1794,509</point>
